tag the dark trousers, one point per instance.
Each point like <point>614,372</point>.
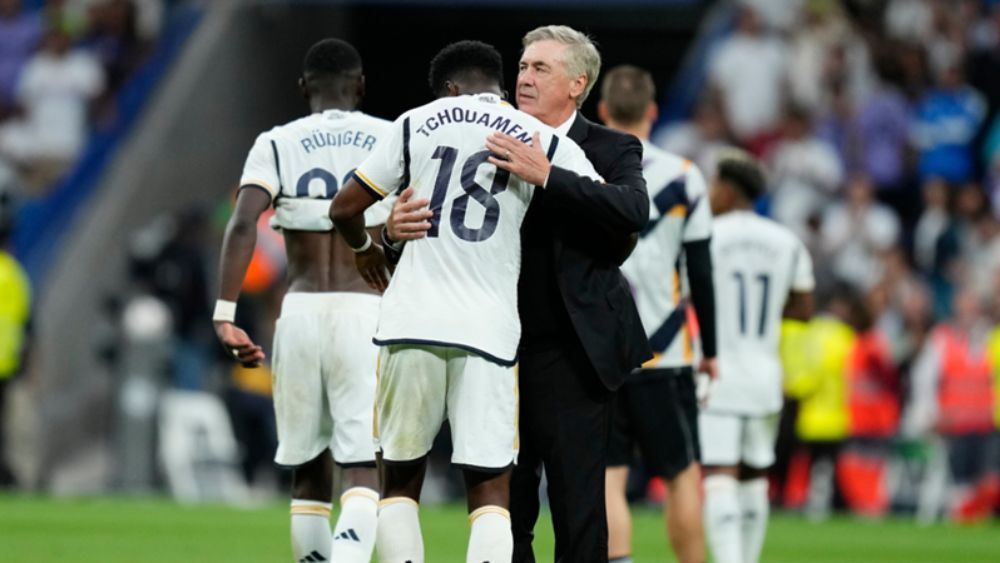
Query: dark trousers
<point>565,420</point>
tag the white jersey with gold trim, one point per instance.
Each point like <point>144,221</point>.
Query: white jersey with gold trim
<point>756,264</point>
<point>458,286</point>
<point>678,213</point>
<point>303,164</point>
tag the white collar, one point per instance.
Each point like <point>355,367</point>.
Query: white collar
<point>488,98</point>
<point>564,128</point>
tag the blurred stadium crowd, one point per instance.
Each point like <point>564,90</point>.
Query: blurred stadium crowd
<point>879,125</point>
<point>61,63</point>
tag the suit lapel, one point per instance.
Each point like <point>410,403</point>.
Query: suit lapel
<point>578,131</point>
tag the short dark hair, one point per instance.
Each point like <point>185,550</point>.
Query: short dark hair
<point>465,59</point>
<point>743,171</point>
<point>627,92</point>
<point>331,58</point>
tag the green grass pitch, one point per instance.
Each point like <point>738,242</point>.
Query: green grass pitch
<point>111,530</point>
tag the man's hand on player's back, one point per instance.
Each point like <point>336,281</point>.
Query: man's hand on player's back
<point>527,161</point>
<point>408,219</point>
<point>238,344</point>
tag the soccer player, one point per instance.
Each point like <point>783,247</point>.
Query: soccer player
<point>762,273</point>
<point>656,408</point>
<point>448,325</point>
<point>324,361</point>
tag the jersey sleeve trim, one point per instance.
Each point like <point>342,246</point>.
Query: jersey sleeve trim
<point>369,186</point>
<point>260,185</point>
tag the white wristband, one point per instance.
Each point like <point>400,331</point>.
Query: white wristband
<point>225,311</point>
<point>365,246</point>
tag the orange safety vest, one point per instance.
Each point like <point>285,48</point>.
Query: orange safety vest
<point>965,390</point>
<point>871,388</point>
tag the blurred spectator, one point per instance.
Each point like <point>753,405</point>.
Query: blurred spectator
<point>981,255</point>
<point>873,403</point>
<point>856,234</point>
<point>882,126</point>
<point>15,309</point>
<point>113,36</point>
<point>776,15</point>
<point>181,281</point>
<point>991,161</point>
<point>953,395</point>
<point>816,375</point>
<point>835,126</point>
<point>55,90</point>
<point>909,20</point>
<point>700,139</point>
<point>906,316</point>
<point>20,33</point>
<point>825,51</point>
<point>68,16</point>
<point>984,56</point>
<point>931,226</point>
<point>748,70</point>
<point>806,172</point>
<point>946,122</point>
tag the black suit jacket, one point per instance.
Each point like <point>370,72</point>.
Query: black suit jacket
<point>591,224</point>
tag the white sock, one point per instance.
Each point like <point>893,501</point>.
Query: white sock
<point>491,540</point>
<point>354,533</point>
<point>722,518</point>
<point>754,507</point>
<point>310,530</point>
<point>398,537</point>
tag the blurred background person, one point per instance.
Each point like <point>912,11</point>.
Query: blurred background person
<point>806,173</point>
<point>15,314</point>
<point>656,410</point>
<point>856,234</point>
<point>55,90</point>
<point>953,396</point>
<point>747,70</point>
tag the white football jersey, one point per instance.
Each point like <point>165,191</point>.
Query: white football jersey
<point>458,286</point>
<point>678,213</point>
<point>756,263</point>
<point>303,164</point>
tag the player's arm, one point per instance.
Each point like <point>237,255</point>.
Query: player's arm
<point>697,245</point>
<point>618,206</point>
<point>799,306</point>
<point>376,178</point>
<point>347,211</point>
<point>237,251</point>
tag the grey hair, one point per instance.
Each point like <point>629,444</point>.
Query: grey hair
<point>581,57</point>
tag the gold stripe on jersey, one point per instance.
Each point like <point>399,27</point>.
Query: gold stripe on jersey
<point>679,210</point>
<point>651,363</point>
<point>372,185</point>
<point>686,343</point>
<point>517,407</point>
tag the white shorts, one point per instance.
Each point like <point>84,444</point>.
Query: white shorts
<point>732,439</point>
<point>419,387</point>
<point>324,377</point>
